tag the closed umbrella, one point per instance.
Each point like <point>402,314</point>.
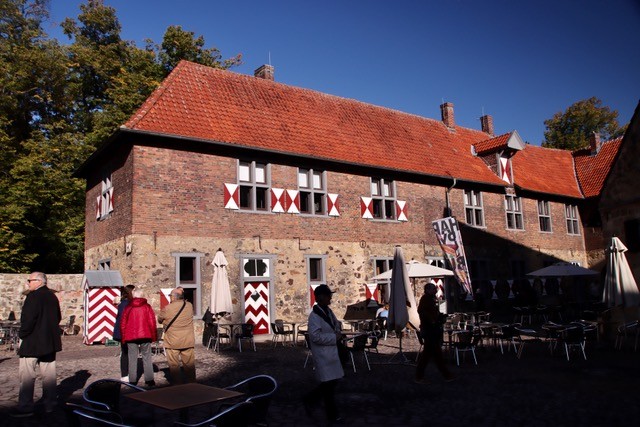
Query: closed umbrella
<point>620,288</point>
<point>402,303</point>
<point>220,290</point>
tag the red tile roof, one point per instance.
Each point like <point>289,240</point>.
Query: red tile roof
<point>593,170</point>
<point>545,170</point>
<point>208,104</point>
<point>492,144</point>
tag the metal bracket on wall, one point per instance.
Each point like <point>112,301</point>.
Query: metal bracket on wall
<point>300,245</point>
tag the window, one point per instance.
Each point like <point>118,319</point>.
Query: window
<point>571,214</point>
<point>105,199</point>
<point>513,209</point>
<point>313,191</point>
<point>104,264</point>
<point>544,216</point>
<point>316,269</point>
<point>632,234</point>
<point>253,180</point>
<point>473,208</point>
<point>188,277</point>
<point>381,265</point>
<point>383,198</point>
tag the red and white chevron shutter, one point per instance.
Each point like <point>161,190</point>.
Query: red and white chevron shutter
<point>333,207</point>
<point>312,296</point>
<point>98,207</point>
<point>505,167</point>
<point>372,291</point>
<point>401,210</point>
<point>292,201</point>
<point>366,207</point>
<point>277,200</point>
<point>231,196</point>
<point>110,196</point>
<point>256,306</point>
<point>100,313</point>
<point>165,298</point>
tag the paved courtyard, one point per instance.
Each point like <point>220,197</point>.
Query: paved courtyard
<point>539,389</point>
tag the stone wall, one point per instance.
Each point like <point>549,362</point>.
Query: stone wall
<point>68,288</point>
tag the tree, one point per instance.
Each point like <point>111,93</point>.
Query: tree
<point>572,129</point>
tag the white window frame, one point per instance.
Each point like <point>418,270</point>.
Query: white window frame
<point>473,206</point>
<point>544,213</point>
<point>322,260</point>
<point>104,264</point>
<point>513,212</point>
<point>572,218</point>
<point>312,193</point>
<point>383,285</point>
<point>196,284</point>
<point>105,189</point>
<point>383,199</point>
<point>252,183</point>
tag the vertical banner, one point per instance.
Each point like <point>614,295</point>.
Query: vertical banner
<point>450,241</point>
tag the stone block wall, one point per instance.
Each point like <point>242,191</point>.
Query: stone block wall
<point>68,288</point>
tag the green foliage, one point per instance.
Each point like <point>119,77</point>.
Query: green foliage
<point>57,104</point>
<point>572,129</point>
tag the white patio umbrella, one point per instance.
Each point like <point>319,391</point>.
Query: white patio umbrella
<point>220,290</point>
<point>562,269</point>
<point>402,303</point>
<point>620,288</point>
<point>417,269</point>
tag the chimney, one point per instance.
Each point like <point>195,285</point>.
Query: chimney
<point>264,72</point>
<point>486,122</point>
<point>595,143</point>
<point>446,110</point>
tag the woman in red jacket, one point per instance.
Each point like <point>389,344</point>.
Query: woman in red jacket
<point>138,327</point>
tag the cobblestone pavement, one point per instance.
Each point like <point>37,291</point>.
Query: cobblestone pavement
<point>539,389</point>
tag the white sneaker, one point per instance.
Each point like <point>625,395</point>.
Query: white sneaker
<point>125,379</point>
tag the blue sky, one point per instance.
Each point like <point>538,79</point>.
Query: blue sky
<point>520,61</point>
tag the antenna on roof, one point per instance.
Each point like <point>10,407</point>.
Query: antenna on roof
<point>269,57</point>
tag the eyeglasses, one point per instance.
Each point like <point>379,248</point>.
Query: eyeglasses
<point>32,280</point>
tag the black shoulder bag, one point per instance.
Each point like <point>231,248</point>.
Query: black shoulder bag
<point>166,328</point>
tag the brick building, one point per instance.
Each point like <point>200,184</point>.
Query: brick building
<point>300,188</point>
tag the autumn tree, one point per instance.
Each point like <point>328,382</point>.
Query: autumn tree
<point>572,129</point>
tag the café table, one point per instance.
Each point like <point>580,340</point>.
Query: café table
<point>183,396</point>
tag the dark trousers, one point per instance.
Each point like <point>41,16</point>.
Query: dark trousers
<point>431,349</point>
<point>327,392</point>
<point>124,360</point>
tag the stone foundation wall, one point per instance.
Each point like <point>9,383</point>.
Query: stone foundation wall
<point>68,288</point>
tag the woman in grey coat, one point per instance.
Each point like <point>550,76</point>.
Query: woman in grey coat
<point>325,334</point>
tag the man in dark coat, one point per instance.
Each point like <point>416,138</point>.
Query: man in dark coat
<point>40,335</point>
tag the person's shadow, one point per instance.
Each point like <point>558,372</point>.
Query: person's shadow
<point>69,385</point>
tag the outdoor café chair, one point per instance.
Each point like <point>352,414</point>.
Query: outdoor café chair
<point>307,341</point>
<point>511,336</point>
<point>69,327</point>
<point>623,330</point>
<point>105,393</point>
<point>465,341</point>
<point>359,344</point>
<point>94,419</point>
<point>246,334</point>
<point>218,333</point>
<point>157,346</point>
<point>238,415</point>
<point>75,413</point>
<point>279,329</point>
<point>260,390</point>
<point>573,337</point>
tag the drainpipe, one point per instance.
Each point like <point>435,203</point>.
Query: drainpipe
<point>448,212</point>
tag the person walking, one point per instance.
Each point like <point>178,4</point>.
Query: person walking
<point>125,299</point>
<point>139,330</point>
<point>179,337</point>
<point>431,334</point>
<point>325,335</point>
<point>40,335</point>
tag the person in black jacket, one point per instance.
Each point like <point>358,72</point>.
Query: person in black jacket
<point>40,335</point>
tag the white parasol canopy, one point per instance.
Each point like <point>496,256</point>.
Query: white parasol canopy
<point>562,269</point>
<point>417,269</point>
<point>620,288</point>
<point>220,290</point>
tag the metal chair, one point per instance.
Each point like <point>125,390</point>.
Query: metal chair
<point>157,346</point>
<point>246,334</point>
<point>218,333</point>
<point>95,419</point>
<point>74,418</point>
<point>105,393</point>
<point>307,341</point>
<point>69,327</point>
<point>465,341</point>
<point>279,329</point>
<point>573,337</point>
<point>359,345</point>
<point>260,389</point>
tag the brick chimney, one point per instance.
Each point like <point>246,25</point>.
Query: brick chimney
<point>486,122</point>
<point>446,110</point>
<point>264,72</point>
<point>595,143</point>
